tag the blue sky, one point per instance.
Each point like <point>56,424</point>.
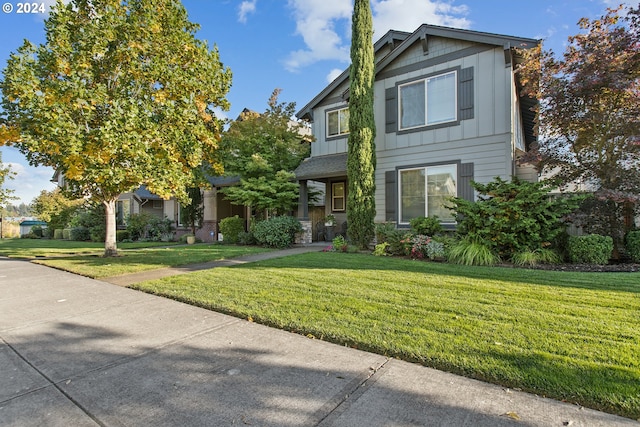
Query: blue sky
<point>300,45</point>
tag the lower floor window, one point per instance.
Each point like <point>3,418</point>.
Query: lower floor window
<point>424,191</point>
<point>338,197</point>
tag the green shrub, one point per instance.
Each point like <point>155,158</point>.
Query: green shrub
<point>149,227</point>
<point>381,249</point>
<point>632,244</point>
<point>66,233</point>
<point>37,231</point>
<point>428,226</point>
<point>80,234</point>
<point>246,238</point>
<point>590,249</point>
<point>58,234</point>
<point>277,232</point>
<point>339,244</point>
<point>98,233</point>
<point>122,235</point>
<point>472,252</point>
<point>424,247</point>
<point>136,225</point>
<point>231,228</point>
<point>399,242</point>
<point>514,216</point>
<point>160,229</point>
<point>383,230</point>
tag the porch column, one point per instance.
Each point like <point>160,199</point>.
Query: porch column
<point>303,201</point>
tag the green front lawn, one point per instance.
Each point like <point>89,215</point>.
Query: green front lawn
<point>85,258</point>
<point>34,248</point>
<point>570,336</point>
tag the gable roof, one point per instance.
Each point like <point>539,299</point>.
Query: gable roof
<point>400,41</point>
<point>391,40</point>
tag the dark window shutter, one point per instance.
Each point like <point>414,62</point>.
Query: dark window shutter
<point>391,109</point>
<point>390,195</point>
<point>465,190</point>
<point>465,93</point>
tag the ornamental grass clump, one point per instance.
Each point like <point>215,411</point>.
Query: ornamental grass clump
<point>469,251</point>
<point>532,258</point>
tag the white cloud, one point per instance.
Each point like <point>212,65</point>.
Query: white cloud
<point>316,22</point>
<point>28,182</point>
<point>407,15</point>
<point>333,74</point>
<point>325,25</point>
<point>246,7</point>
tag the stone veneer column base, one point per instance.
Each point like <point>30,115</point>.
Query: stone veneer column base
<point>305,237</point>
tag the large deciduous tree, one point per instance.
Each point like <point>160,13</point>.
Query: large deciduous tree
<point>361,150</point>
<point>263,150</point>
<point>589,116</point>
<point>55,208</point>
<point>120,95</point>
<point>6,195</point>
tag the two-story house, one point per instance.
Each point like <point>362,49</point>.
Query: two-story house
<point>447,111</point>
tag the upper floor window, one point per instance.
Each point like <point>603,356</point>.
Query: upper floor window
<point>337,122</point>
<point>428,101</point>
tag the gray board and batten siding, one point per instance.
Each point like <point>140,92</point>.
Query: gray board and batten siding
<point>489,128</point>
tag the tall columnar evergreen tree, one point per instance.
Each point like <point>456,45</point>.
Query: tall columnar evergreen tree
<point>120,95</point>
<point>361,153</point>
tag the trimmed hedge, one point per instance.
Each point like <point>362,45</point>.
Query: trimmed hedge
<point>80,234</point>
<point>277,232</point>
<point>231,227</point>
<point>590,249</point>
<point>632,244</point>
<point>122,235</point>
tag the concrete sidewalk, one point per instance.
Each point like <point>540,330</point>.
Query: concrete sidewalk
<point>81,352</point>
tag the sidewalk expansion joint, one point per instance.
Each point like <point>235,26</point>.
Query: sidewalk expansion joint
<point>54,384</point>
<point>348,395</point>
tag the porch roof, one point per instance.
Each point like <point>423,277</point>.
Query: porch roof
<point>321,168</point>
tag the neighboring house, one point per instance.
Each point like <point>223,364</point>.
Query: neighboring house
<point>447,111</point>
<point>27,225</point>
<point>216,207</point>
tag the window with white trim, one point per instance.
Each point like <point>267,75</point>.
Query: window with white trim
<point>338,200</point>
<point>429,101</point>
<point>337,122</point>
<point>424,191</point>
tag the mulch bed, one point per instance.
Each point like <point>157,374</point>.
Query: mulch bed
<point>592,268</point>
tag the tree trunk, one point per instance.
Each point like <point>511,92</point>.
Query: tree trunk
<point>110,245</point>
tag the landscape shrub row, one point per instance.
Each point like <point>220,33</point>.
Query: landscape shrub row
<point>517,222</point>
